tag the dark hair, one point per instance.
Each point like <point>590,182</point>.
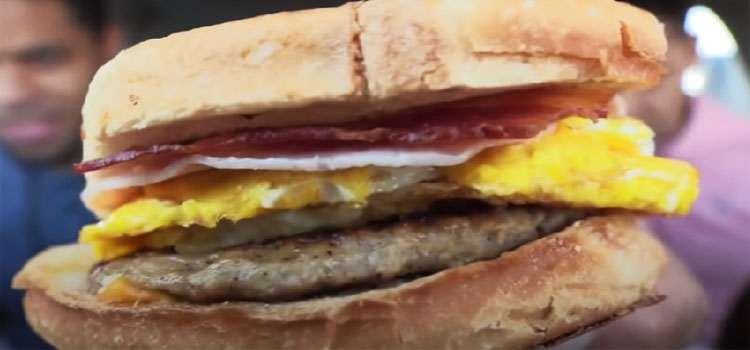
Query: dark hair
<point>734,331</point>
<point>668,10</point>
<point>90,14</point>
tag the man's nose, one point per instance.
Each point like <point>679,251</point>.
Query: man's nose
<point>16,84</point>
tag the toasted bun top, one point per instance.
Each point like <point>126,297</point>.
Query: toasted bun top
<point>551,288</point>
<point>338,64</point>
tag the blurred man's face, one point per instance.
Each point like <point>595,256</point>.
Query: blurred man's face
<point>663,107</point>
<point>46,62</point>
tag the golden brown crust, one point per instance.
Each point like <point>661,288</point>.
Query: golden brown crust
<point>432,45</point>
<point>342,63</point>
<point>235,68</point>
<point>592,271</point>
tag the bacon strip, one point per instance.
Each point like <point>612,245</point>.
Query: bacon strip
<point>421,128</point>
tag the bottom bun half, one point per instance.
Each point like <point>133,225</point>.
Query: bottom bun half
<point>553,288</point>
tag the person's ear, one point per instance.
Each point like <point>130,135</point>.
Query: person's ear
<point>112,41</point>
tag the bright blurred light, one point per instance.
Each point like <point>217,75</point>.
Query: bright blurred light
<point>714,38</point>
<point>694,80</point>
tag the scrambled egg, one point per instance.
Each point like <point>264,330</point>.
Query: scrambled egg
<point>208,197</point>
<point>604,164</point>
<point>583,163</point>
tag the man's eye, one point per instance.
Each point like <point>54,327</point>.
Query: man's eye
<point>46,57</point>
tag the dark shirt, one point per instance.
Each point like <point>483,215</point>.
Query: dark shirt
<point>39,207</point>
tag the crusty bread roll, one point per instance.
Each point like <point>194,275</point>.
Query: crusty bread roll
<point>542,292</point>
<point>339,64</point>
<point>362,60</point>
<point>357,61</point>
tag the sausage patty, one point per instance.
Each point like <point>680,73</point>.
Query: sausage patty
<point>299,266</point>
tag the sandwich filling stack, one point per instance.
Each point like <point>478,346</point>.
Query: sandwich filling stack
<point>328,177</point>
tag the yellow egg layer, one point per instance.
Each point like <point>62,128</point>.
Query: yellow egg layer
<point>208,197</point>
<point>586,164</point>
<point>604,164</point>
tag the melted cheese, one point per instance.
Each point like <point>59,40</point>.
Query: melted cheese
<point>120,290</point>
<point>606,164</point>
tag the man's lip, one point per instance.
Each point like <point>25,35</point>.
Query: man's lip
<point>29,130</point>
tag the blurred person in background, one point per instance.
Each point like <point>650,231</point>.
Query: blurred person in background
<point>714,240</point>
<point>49,51</point>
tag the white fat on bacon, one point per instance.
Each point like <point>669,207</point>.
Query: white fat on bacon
<point>386,158</point>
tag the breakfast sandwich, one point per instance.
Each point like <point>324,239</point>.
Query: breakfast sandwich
<point>383,174</point>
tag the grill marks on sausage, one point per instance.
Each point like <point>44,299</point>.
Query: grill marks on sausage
<point>299,267</point>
